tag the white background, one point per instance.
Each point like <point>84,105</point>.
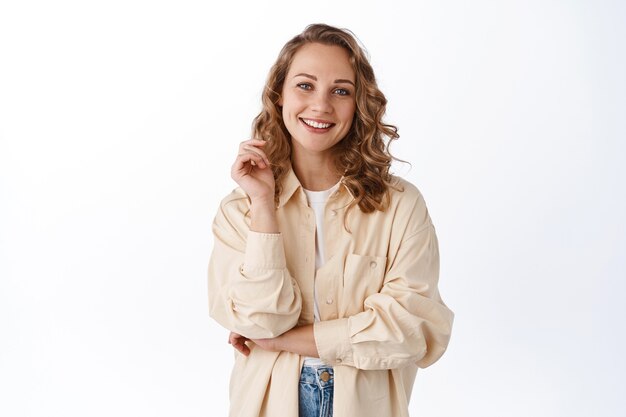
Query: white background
<point>119,121</point>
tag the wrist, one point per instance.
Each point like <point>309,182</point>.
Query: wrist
<point>263,216</point>
<point>264,202</point>
<point>276,344</point>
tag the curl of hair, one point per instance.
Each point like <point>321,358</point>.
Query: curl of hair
<point>363,155</point>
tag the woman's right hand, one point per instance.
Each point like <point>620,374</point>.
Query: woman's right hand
<point>252,171</point>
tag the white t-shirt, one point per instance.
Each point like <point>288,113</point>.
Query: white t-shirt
<point>317,201</point>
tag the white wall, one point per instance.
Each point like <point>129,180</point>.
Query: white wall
<point>119,121</point>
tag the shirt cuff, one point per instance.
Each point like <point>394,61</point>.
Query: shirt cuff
<point>264,251</point>
<point>332,339</point>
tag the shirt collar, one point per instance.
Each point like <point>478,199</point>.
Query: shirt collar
<point>291,184</point>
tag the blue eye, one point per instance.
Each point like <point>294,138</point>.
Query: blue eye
<point>304,86</point>
<point>342,92</point>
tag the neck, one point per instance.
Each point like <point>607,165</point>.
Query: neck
<point>316,173</point>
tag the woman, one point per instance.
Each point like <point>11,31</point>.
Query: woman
<point>325,266</point>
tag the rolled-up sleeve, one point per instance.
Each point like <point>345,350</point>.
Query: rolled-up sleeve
<point>405,323</point>
<point>251,290</point>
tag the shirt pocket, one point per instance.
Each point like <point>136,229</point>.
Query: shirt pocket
<point>363,276</point>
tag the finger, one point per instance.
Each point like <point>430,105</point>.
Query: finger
<point>256,160</point>
<point>241,346</point>
<point>254,142</point>
<point>256,151</point>
<point>236,338</point>
<point>246,350</point>
<point>233,338</point>
<point>243,167</point>
<point>253,146</point>
<point>242,159</point>
<point>238,346</point>
<point>253,150</point>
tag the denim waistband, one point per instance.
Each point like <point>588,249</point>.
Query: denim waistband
<point>322,376</point>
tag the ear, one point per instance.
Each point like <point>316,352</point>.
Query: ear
<point>280,101</point>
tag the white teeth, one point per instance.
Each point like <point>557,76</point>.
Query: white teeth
<point>316,125</point>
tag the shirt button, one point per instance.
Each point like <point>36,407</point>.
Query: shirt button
<point>333,213</point>
<point>372,264</point>
<point>338,360</point>
<point>329,300</point>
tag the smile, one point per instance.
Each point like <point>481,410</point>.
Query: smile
<point>316,124</point>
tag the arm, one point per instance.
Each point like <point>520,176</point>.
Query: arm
<point>251,291</point>
<point>405,323</point>
<point>298,340</point>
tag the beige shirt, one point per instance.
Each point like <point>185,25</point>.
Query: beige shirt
<point>382,316</point>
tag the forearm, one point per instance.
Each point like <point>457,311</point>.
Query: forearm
<point>298,340</point>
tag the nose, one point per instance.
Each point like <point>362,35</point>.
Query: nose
<point>321,103</point>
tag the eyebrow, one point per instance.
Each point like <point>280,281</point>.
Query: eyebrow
<point>313,77</point>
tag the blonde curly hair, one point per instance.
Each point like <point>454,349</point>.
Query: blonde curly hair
<point>363,155</point>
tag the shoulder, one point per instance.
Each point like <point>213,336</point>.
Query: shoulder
<point>404,194</point>
<point>403,189</point>
<point>407,204</point>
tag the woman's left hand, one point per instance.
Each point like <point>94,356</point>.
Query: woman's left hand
<point>267,344</point>
<point>298,340</point>
<point>239,343</point>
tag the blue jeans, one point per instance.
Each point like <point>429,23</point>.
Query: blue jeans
<point>316,391</point>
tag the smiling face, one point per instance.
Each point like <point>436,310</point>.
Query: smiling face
<point>318,98</point>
